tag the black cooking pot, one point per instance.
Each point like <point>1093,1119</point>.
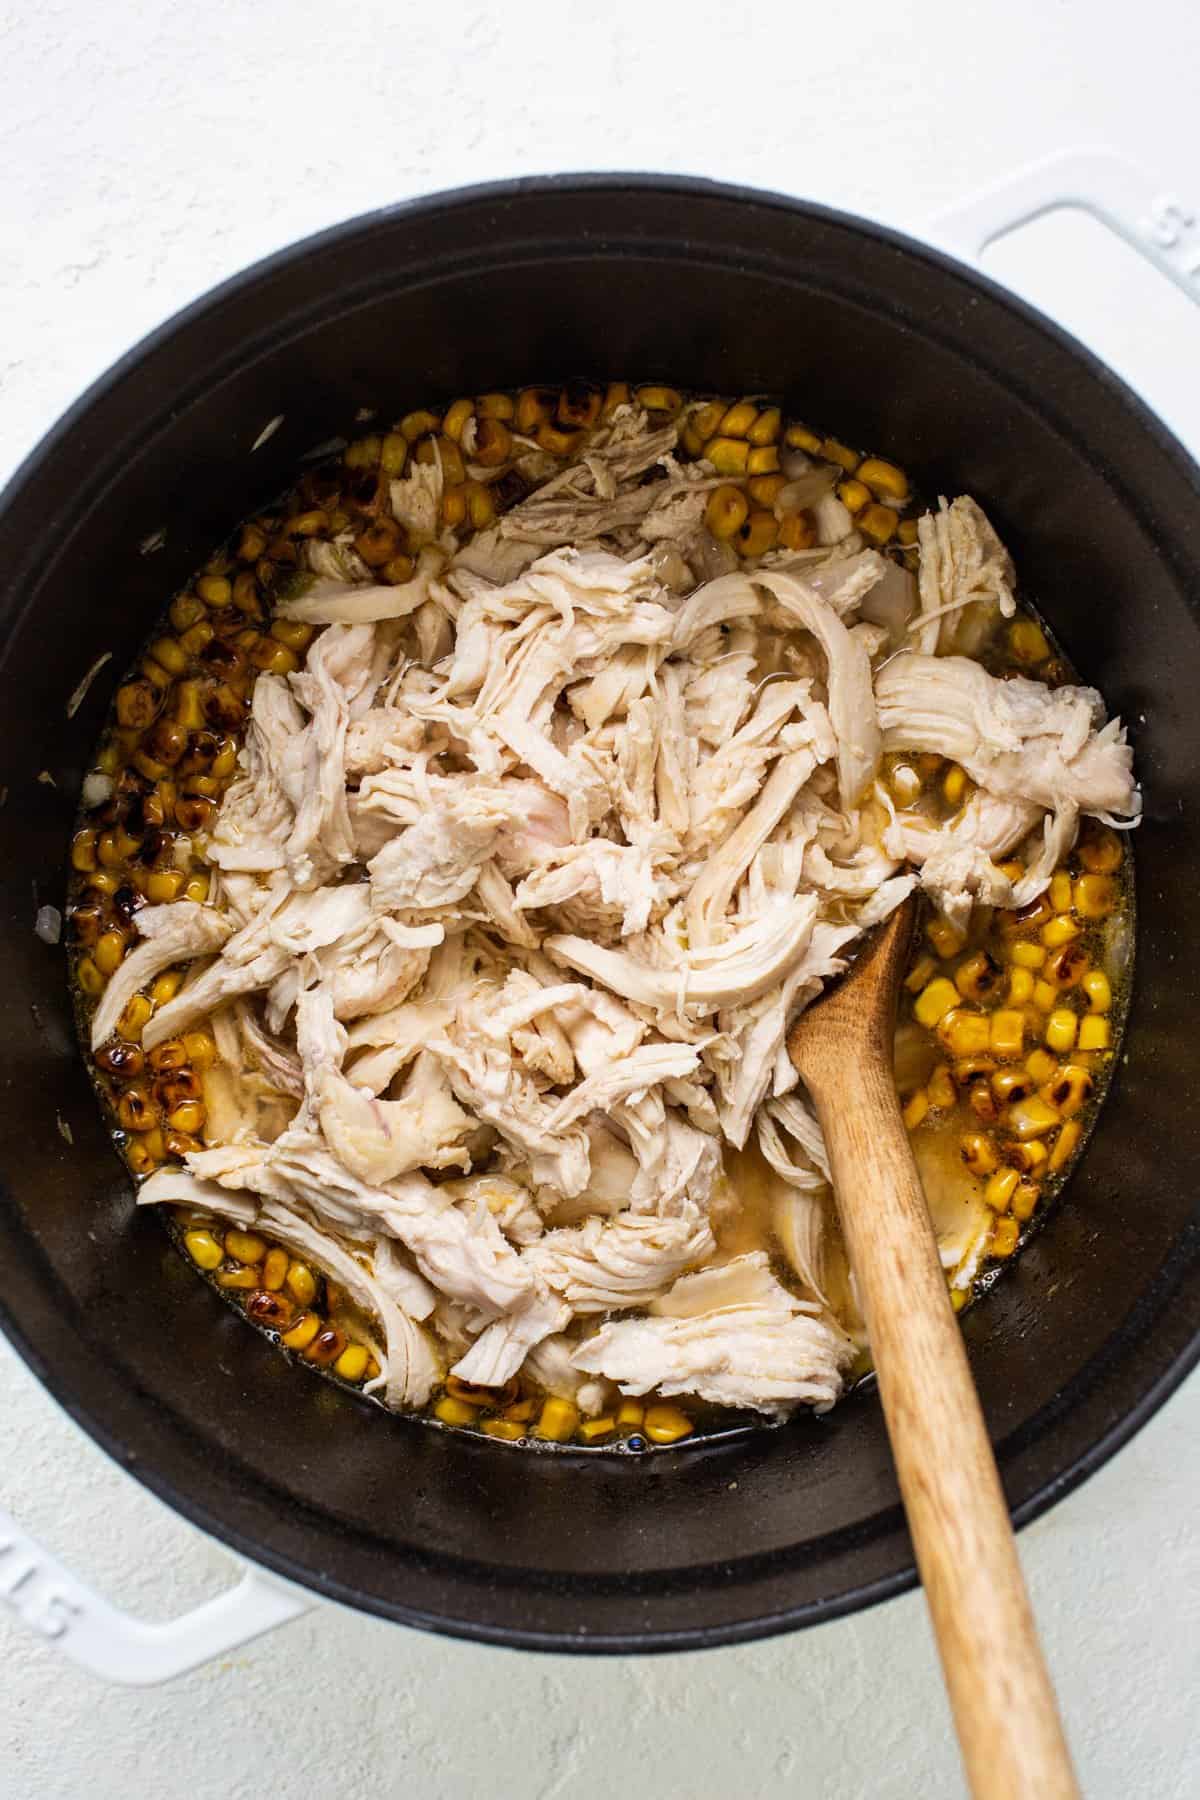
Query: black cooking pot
<point>708,287</point>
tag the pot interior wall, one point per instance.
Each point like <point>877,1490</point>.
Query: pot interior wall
<point>864,335</point>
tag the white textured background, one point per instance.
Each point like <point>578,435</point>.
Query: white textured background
<point>148,150</point>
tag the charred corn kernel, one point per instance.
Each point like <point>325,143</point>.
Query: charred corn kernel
<point>766,427</point>
<point>1064,968</point>
<point>203,1249</point>
<point>1060,891</point>
<point>759,532</point>
<point>969,1068</point>
<point>454,506</point>
<point>1009,1085</point>
<point>1032,1117</point>
<point>185,610</point>
<point>1005,1235</point>
<point>1007,1033</point>
<point>1101,853</point>
<point>393,454</point>
<point>631,1414</point>
<point>245,1246</point>
<point>521,1411</point>
<point>245,594</point>
<point>240,1280</point>
<point>1045,996</point>
<point>763,461</point>
<point>91,981</point>
<point>1095,1033</point>
<point>274,1270</point>
<point>558,443</point>
<point>149,766</point>
<point>1027,956</point>
<point>594,1431</point>
<point>196,638</point>
<point>977,1152</point>
<point>419,424</point>
<point>853,495</point>
<point>136,1111</point>
<point>164,987</point>
<point>877,523</point>
<point>456,418</point>
<point>377,544</point>
<point>977,976</point>
<point>737,419</point>
<point>1069,1090</point>
<point>799,437</point>
<point>935,1001</point>
<point>326,1347</point>
<point>196,887</point>
<point>364,452</point>
<point>1041,1065</point>
<point>558,1421</point>
<point>921,972</point>
<point>83,851</point>
<point>507,1430</point>
<point>1020,986</point>
<point>495,406</point>
<point>940,1087</point>
<point>1027,641</point>
<point>532,409</point>
<point>726,512</point>
<point>493,443</point>
<point>660,399</point>
<point>137,705</point>
<point>1061,1028</point>
<point>133,1020</point>
<point>965,1033</point>
<point>885,480</point>
<point>188,1117</point>
<point>982,1103</point>
<point>728,455</point>
<point>164,885</point>
<point>797,531</point>
<point>140,1157</point>
<point>1065,1144</point>
<point>667,1424</point>
<point>109,953</point>
<point>1001,1188</point>
<point>905,783</point>
<point>189,707</point>
<point>301,1283</point>
<point>307,524</point>
<point>398,570</point>
<point>351,1365</point>
<point>1027,918</point>
<point>944,938</point>
<point>764,490</point>
<point>1058,931</point>
<point>1095,896</point>
<point>915,1109</point>
<point>302,1333</point>
<point>1096,986</point>
<point>1026,1157</point>
<point>954,785</point>
<point>841,454</point>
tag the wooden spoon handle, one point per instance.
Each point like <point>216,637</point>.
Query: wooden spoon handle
<point>1004,1707</point>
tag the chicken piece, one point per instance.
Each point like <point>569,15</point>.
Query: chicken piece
<point>329,601</point>
<point>621,1262</point>
<point>341,673</point>
<point>678,1166</point>
<point>502,1346</point>
<point>612,887</point>
<point>966,579</point>
<point>256,816</point>
<point>416,499</point>
<point>390,1040</point>
<point>958,860</point>
<point>732,1335</point>
<point>642,1070</point>
<point>1018,739</point>
<point>370,738</point>
<point>170,934</point>
<point>436,861</point>
<point>537,825</point>
<point>612,1173</point>
<point>488,1082</point>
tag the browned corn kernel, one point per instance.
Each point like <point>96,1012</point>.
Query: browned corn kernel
<point>763,461</point>
<point>103,881</point>
<point>496,406</point>
<point>797,531</point>
<point>1010,1085</point>
<point>194,814</point>
<point>156,675</point>
<point>196,638</point>
<point>1025,1157</point>
<point>578,406</point>
<point>185,610</point>
<point>301,1283</point>
<point>245,595</point>
<point>1100,852</point>
<point>799,437</point>
<point>728,455</point>
<point>493,443</point>
<point>393,454</point>
<point>558,443</point>
<point>521,1411</point>
<point>398,571</point>
<point>659,399</point>
<point>275,1270</point>
<point>481,505</point>
<point>225,761</point>
<point>1095,896</point>
<point>168,741</point>
<point>326,1347</point>
<point>766,427</point>
<point>758,533</point>
<point>1070,1090</point>
<point>455,419</point>
<point>140,1157</point>
<point>533,408</point>
<point>201,1048</point>
<point>307,524</point>
<point>189,706</point>
<point>416,425</point>
<point>1066,967</point>
<point>206,785</point>
<point>691,442</point>
<point>251,543</point>
<point>765,490</point>
<point>378,543</point>
<point>83,851</point>
<point>977,1152</point>
<point>726,511</point>
<point>273,1310</point>
<point>454,506</point>
<point>977,977</point>
<point>121,1060</point>
<point>876,522</point>
<point>273,658</point>
<point>149,766</point>
<point>476,1395</point>
<point>615,394</point>
<point>137,705</point>
<point>982,1103</point>
<point>86,925</point>
<point>239,1280</point>
<point>305,1329</point>
<point>136,1111</point>
<point>1028,918</point>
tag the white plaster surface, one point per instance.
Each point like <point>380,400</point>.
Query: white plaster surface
<point>148,150</point>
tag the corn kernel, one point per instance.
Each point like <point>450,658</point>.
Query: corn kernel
<point>302,1333</point>
<point>164,885</point>
<point>1027,1157</point>
<point>1060,891</point>
<point>245,1246</point>
<point>799,437</point>
<point>944,938</point>
<point>766,489</point>
<point>301,1283</point>
<point>726,511</point>
<point>758,533</point>
<point>203,1249</point>
<point>958,1298</point>
<point>1065,1144</point>
<point>1061,1027</point>
<point>1095,985</point>
<point>558,1420</point>
<point>452,1411</point>
<point>877,523</point>
<point>1027,641</point>
<point>456,418</point>
<point>763,461</point>
<point>884,478</point>
<point>351,1365</point>
<point>662,399</point>
<point>1027,956</point>
<point>274,1270</point>
<point>667,1424</point>
<point>915,1109</point>
<point>728,455</point>
<point>164,987</point>
<point>1005,1235</point>
<point>1041,1065</point>
<point>238,1280</point>
<point>91,981</point>
<point>1007,1033</point>
<point>141,1159</point>
<point>1095,896</point>
<point>853,495</point>
<point>977,1152</point>
<point>1095,1033</point>
<point>1001,1188</point>
<point>1032,1118</point>
<point>965,1033</point>
<point>1045,996</point>
<point>507,1430</point>
<point>909,532</point>
<point>109,952</point>
<point>797,531</point>
<point>920,973</point>
<point>521,1410</point>
<point>1101,853</point>
<point>1020,985</point>
<point>133,1020</point>
<point>841,454</point>
<point>977,976</point>
<point>954,785</point>
<point>1059,931</point>
<point>631,1414</point>
<point>1010,1085</point>
<point>935,1001</point>
<point>940,1088</point>
<point>187,1117</point>
<point>738,419</point>
<point>766,427</point>
<point>201,1048</point>
<point>1069,1090</point>
<point>594,1431</point>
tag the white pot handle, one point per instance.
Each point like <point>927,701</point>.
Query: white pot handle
<point>1114,190</point>
<point>98,1636</point>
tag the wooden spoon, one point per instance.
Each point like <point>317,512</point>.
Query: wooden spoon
<point>1004,1708</point>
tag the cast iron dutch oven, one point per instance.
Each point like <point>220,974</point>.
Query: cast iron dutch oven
<point>706,287</point>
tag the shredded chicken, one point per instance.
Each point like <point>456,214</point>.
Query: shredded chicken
<point>525,875</point>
